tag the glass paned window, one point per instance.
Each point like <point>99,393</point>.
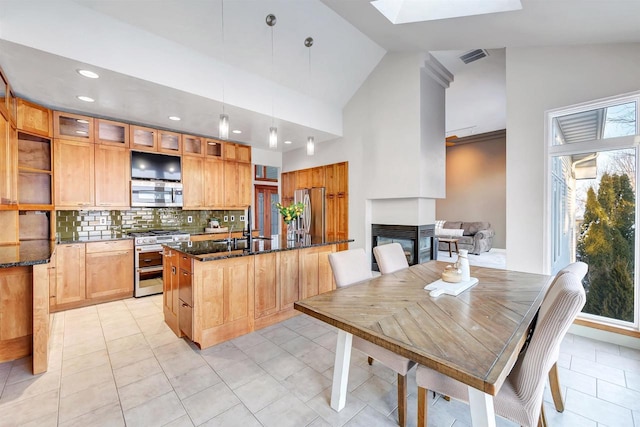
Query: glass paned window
<point>596,124</point>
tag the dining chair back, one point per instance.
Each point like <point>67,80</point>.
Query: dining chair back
<point>390,258</point>
<point>353,266</point>
<point>520,397</point>
<point>350,266</point>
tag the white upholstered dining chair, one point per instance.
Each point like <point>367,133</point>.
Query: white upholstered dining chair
<point>520,397</point>
<point>390,258</point>
<point>348,268</point>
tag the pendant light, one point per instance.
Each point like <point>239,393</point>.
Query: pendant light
<point>273,131</point>
<point>223,124</point>
<point>311,146</point>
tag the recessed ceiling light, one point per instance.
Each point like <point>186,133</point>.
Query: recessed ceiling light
<point>88,74</point>
<point>236,131</point>
<point>85,98</point>
<point>287,142</point>
<point>175,118</point>
<point>83,121</point>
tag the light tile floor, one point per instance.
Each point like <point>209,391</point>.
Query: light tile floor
<point>118,364</point>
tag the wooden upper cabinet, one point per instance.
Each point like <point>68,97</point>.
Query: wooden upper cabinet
<point>143,138</point>
<point>237,152</point>
<point>214,179</point>
<point>74,174</point>
<point>213,148</point>
<point>73,127</point>
<point>169,142</point>
<point>288,187</point>
<point>192,145</point>
<point>112,133</point>
<point>34,118</point>
<point>112,177</point>
<point>237,184</point>
<point>4,90</point>
<point>317,177</point>
<point>337,178</point>
<point>193,182</point>
<point>12,106</point>
<point>303,178</point>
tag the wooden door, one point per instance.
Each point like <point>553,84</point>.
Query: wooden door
<point>267,291</point>
<point>112,177</point>
<point>16,304</point>
<point>74,174</point>
<point>73,127</point>
<point>109,273</point>
<point>245,180</point>
<point>192,180</point>
<point>214,183</point>
<point>325,274</point>
<point>308,272</point>
<point>70,273</point>
<point>266,213</point>
<point>238,282</point>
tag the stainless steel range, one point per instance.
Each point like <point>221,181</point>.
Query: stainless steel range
<point>148,258</point>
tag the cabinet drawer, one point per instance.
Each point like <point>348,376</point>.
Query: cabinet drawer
<point>185,262</point>
<point>110,245</point>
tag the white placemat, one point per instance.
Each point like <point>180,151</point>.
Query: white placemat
<point>440,287</point>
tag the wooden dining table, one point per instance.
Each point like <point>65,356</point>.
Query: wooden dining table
<point>474,337</point>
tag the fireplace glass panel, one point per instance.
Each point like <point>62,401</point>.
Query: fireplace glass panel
<point>407,246</point>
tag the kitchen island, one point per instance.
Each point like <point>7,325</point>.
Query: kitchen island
<point>218,290</point>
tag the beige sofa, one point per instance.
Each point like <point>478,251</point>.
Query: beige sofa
<point>476,237</point>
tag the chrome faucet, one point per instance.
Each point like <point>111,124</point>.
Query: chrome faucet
<point>230,231</point>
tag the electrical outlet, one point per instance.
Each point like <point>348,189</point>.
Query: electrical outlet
<point>241,217</point>
<point>189,244</point>
<point>225,219</point>
<point>103,220</point>
<point>189,219</point>
<point>233,218</point>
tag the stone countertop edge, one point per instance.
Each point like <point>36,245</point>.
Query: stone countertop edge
<point>214,256</point>
<point>27,253</point>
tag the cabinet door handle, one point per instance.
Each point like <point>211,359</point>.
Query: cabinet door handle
<point>184,273</point>
<point>146,260</point>
<point>185,304</point>
<point>173,270</point>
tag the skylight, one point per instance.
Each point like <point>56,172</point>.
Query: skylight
<point>407,11</point>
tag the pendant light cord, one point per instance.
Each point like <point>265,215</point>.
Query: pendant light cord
<point>223,51</point>
<point>273,74</point>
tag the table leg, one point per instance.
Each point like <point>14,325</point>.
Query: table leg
<point>482,413</point>
<point>341,370</point>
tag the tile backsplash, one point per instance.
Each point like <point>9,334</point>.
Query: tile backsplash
<point>71,225</point>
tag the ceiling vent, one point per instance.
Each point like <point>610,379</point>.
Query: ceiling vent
<point>474,55</point>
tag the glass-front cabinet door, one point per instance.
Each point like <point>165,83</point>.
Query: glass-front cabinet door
<point>112,133</point>
<point>72,127</point>
<point>169,142</point>
<point>192,145</point>
<point>143,138</point>
<point>213,148</point>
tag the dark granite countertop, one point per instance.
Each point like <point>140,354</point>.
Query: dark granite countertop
<point>116,236</point>
<point>28,252</point>
<point>211,250</point>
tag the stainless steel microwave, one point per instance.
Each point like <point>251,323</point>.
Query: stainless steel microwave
<point>156,194</point>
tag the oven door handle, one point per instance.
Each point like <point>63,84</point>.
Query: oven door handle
<point>148,269</point>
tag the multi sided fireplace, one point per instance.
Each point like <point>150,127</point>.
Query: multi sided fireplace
<point>416,240</point>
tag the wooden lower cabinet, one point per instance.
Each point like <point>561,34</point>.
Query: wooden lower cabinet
<point>70,274</point>
<point>109,269</point>
<point>87,274</point>
<point>16,312</point>
<point>170,283</point>
<point>223,299</point>
<point>316,276</point>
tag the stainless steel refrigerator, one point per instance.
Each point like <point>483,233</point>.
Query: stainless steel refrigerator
<point>311,223</point>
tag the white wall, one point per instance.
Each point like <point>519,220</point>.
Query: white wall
<point>393,131</point>
<point>540,79</point>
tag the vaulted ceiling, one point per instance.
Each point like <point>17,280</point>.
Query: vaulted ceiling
<point>169,57</point>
